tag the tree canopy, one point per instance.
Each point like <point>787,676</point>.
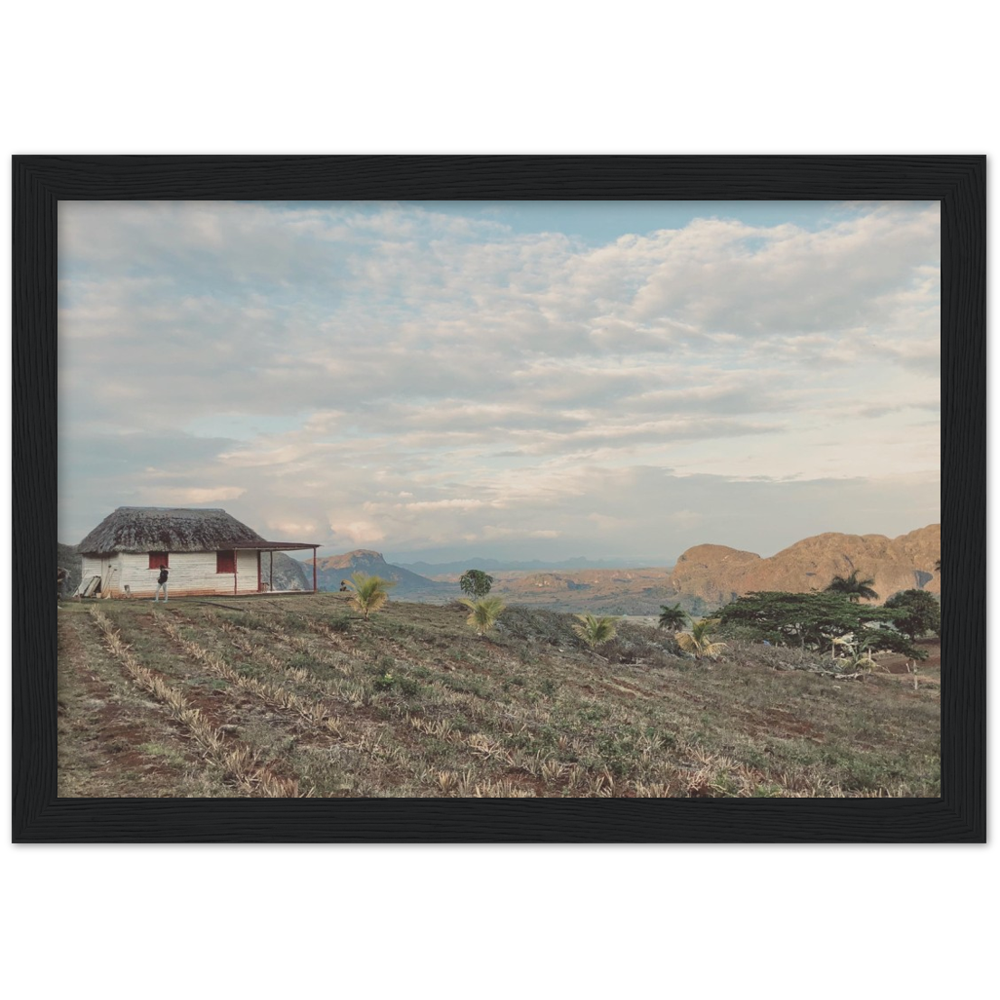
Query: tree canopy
<point>852,588</point>
<point>672,618</point>
<point>475,582</point>
<point>917,612</point>
<point>816,621</point>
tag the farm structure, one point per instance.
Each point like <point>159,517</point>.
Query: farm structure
<point>206,551</point>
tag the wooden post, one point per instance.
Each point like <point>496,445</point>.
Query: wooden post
<point>314,569</point>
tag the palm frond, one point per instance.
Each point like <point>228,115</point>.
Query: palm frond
<point>594,631</point>
<point>484,612</point>
<point>699,641</point>
<point>852,588</point>
<point>672,618</point>
<point>370,592</point>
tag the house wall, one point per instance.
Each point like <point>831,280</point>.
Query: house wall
<point>191,573</point>
<point>97,566</point>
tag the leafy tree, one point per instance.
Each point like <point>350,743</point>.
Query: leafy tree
<point>699,640</point>
<point>852,588</point>
<point>594,631</point>
<point>475,583</point>
<point>672,619</point>
<point>917,613</point>
<point>818,621</point>
<point>484,613</point>
<point>370,592</point>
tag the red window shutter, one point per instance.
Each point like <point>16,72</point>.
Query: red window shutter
<point>225,562</point>
<point>158,559</point>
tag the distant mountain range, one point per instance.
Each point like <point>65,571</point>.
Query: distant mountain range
<point>331,570</point>
<point>704,578</point>
<point>528,565</point>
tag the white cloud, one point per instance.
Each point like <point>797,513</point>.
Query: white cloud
<point>406,375</point>
<point>179,496</point>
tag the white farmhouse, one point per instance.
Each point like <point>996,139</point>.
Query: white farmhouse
<point>207,551</point>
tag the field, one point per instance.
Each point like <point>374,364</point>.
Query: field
<point>298,696</point>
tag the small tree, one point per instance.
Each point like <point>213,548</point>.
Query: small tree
<point>594,631</point>
<point>475,583</point>
<point>370,592</point>
<point>484,613</point>
<point>917,613</point>
<point>672,619</point>
<point>699,639</point>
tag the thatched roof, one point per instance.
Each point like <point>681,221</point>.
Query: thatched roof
<point>174,529</point>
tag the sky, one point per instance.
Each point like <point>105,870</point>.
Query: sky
<point>514,380</point>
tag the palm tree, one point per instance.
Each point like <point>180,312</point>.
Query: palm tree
<point>594,631</point>
<point>369,592</point>
<point>672,619</point>
<point>484,613</point>
<point>699,640</point>
<point>853,588</point>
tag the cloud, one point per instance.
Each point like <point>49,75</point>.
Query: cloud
<point>191,496</point>
<point>398,374</point>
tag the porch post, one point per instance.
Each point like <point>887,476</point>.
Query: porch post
<point>314,569</point>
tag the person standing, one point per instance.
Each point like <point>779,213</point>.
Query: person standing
<point>161,584</point>
<point>61,582</point>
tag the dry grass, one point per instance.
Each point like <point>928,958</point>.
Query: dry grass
<point>411,704</point>
<point>237,761</point>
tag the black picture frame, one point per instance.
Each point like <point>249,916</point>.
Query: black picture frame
<point>958,182</point>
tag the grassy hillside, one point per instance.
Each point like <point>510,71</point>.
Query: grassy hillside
<point>299,696</point>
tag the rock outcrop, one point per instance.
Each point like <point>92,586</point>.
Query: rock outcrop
<point>332,569</point>
<point>718,574</point>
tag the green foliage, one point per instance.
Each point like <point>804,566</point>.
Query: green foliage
<point>475,583</point>
<point>917,613</point>
<point>699,640</point>
<point>852,588</point>
<point>593,631</point>
<point>815,621</point>
<point>370,592</point>
<point>673,619</point>
<point>484,613</point>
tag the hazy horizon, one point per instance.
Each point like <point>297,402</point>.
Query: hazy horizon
<point>514,380</point>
